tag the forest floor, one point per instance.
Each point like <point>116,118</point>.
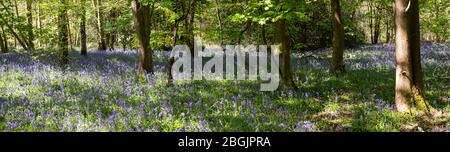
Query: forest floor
<point>101,92</point>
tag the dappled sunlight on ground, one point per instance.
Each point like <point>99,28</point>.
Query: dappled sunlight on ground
<point>101,92</point>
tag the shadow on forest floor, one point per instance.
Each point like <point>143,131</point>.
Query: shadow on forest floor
<point>102,93</point>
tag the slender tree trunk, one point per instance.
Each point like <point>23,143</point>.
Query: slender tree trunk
<point>337,66</point>
<point>285,49</point>
<point>2,43</point>
<point>112,34</point>
<point>245,29</point>
<point>263,29</point>
<point>17,15</point>
<point>83,28</point>
<point>100,29</point>
<point>263,34</point>
<point>377,30</point>
<point>174,42</point>
<point>371,22</point>
<point>63,35</point>
<point>142,16</point>
<point>388,21</point>
<point>69,32</point>
<point>5,40</point>
<point>172,59</point>
<point>18,37</point>
<point>124,40</point>
<point>38,21</point>
<point>219,18</point>
<point>409,82</point>
<point>190,24</point>
<point>29,14</point>
<point>394,22</point>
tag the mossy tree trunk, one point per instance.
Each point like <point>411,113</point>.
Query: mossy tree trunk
<point>409,86</point>
<point>142,15</point>
<point>337,66</point>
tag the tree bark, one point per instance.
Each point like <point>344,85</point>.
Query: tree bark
<point>112,34</point>
<point>38,21</point>
<point>377,29</point>
<point>388,19</point>
<point>337,66</point>
<point>389,23</point>
<point>142,16</point>
<point>100,29</point>
<point>63,35</point>
<point>189,11</point>
<point>29,14</point>
<point>219,18</point>
<point>83,28</point>
<point>2,43</point>
<point>263,29</point>
<point>5,40</point>
<point>371,22</point>
<point>285,64</point>
<point>409,82</point>
<point>17,15</point>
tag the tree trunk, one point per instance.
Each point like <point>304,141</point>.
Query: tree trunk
<point>172,59</point>
<point>5,40</point>
<point>393,24</point>
<point>371,23</point>
<point>245,29</point>
<point>409,82</point>
<point>63,35</point>
<point>388,19</point>
<point>112,35</point>
<point>377,30</point>
<point>29,14</point>
<point>285,64</point>
<point>39,22</point>
<point>337,66</point>
<point>2,44</point>
<point>174,42</point>
<point>263,34</point>
<point>189,11</point>
<point>100,29</point>
<point>219,18</point>
<point>17,15</point>
<point>124,40</point>
<point>263,28</point>
<point>83,28</point>
<point>18,37</point>
<point>142,16</point>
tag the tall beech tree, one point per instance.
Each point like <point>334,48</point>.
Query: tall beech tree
<point>337,65</point>
<point>63,40</point>
<point>142,14</point>
<point>409,88</point>
<point>83,28</point>
<point>98,5</point>
<point>29,14</point>
<point>282,39</point>
<point>3,44</point>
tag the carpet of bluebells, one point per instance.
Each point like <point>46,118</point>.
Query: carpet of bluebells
<point>101,92</point>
